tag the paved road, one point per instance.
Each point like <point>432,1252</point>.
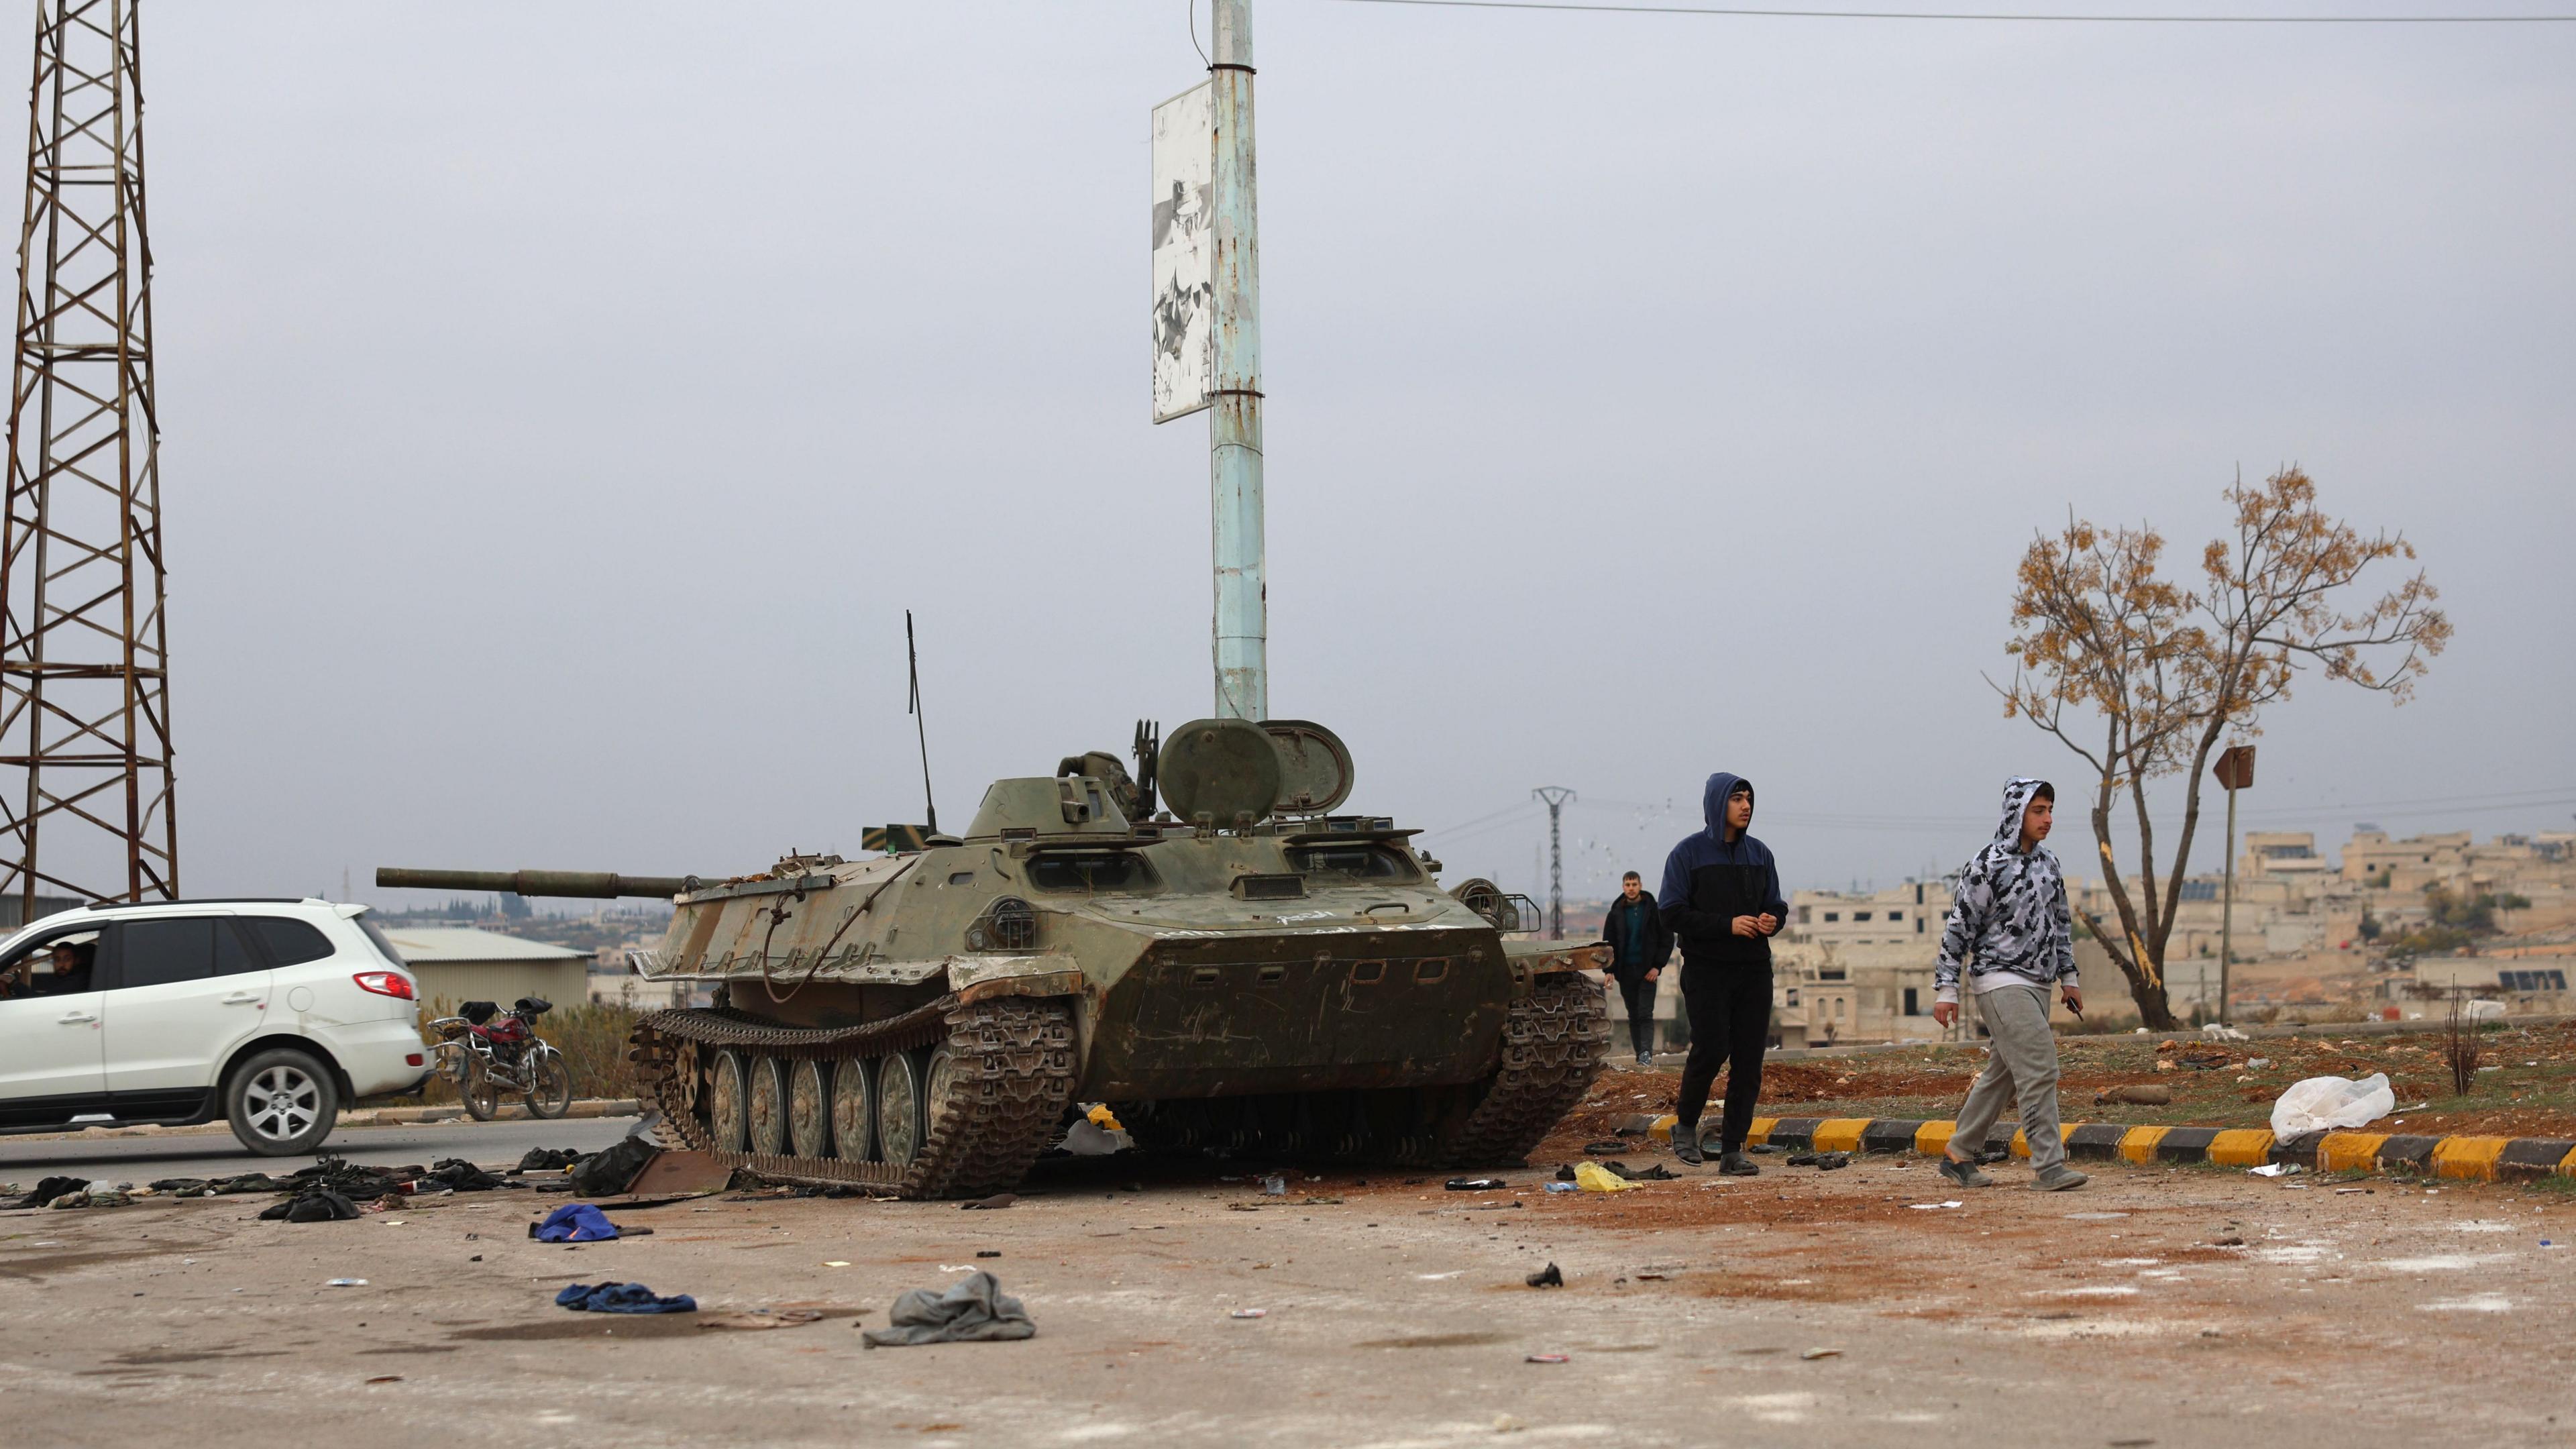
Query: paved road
<point>141,1159</point>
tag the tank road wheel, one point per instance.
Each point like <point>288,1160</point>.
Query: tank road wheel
<point>899,1099</point>
<point>940,1081</point>
<point>809,1107</point>
<point>854,1109</point>
<point>728,1103</point>
<point>768,1115</point>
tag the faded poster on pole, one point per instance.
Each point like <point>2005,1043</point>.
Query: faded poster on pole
<point>1184,252</point>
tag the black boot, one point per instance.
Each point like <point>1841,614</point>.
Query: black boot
<point>1685,1137</point>
<point>1736,1164</point>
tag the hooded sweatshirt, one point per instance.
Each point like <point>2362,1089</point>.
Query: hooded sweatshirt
<point>1710,880</point>
<point>2010,912</point>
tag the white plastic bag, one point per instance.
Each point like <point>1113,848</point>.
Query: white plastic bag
<point>2332,1102</point>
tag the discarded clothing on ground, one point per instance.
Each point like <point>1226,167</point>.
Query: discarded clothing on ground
<point>1474,1184</point>
<point>622,1298</point>
<point>612,1169</point>
<point>47,1190</point>
<point>459,1175</point>
<point>974,1310</point>
<point>338,1174</point>
<point>549,1159</point>
<point>1822,1161</point>
<point>1656,1173</point>
<point>94,1197</point>
<point>574,1222</point>
<point>248,1182</point>
<point>1548,1277</point>
<point>313,1205</point>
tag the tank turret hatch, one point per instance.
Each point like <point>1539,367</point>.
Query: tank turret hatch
<point>1314,766</point>
<point>1219,771</point>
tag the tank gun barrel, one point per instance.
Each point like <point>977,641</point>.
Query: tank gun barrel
<point>591,884</point>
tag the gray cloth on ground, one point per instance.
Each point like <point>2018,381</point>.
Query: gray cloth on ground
<point>2022,1062</point>
<point>975,1310</point>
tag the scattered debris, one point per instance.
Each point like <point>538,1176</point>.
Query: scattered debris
<point>1274,1186</point>
<point>1609,1147</point>
<point>1506,1424</point>
<point>1567,1186</point>
<point>386,1379</point>
<point>2216,1032</point>
<point>980,1253</point>
<point>1921,1207</point>
<point>1817,1353</point>
<point>1822,1161</point>
<point>1477,1184</point>
<point>997,1200</point>
<point>2276,1169</point>
<point>622,1298</point>
<point>1548,1358</point>
<point>548,1159</point>
<point>836,1262</point>
<point>2327,1103</point>
<point>1547,1277</point>
<point>1249,1313</point>
<point>668,1175</point>
<point>620,1167</point>
<point>1088,1138</point>
<point>2258,1064</point>
<point>1593,1177</point>
<point>2158,1096</point>
<point>345,1283</point>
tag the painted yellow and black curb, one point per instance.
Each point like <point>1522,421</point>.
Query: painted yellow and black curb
<point>2471,1159</point>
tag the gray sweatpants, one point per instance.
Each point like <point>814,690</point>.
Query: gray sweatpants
<point>2021,1062</point>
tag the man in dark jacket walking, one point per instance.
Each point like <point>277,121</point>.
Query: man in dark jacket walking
<point>1722,899</point>
<point>1639,947</point>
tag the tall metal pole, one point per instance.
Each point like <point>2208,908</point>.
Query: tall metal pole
<point>1242,624</point>
<point>1555,796</point>
<point>84,682</point>
<point>2227,910</point>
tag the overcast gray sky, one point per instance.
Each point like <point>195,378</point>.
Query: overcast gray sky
<point>562,404</point>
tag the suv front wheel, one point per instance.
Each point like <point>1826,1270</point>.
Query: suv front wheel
<point>282,1103</point>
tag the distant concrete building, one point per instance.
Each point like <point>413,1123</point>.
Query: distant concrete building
<point>456,964</point>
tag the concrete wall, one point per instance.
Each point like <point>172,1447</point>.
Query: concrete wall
<point>443,985</point>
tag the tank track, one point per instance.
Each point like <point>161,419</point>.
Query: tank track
<point>1010,1101</point>
<point>1552,1045</point>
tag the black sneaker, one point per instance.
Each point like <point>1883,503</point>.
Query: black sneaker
<point>1736,1164</point>
<point>1686,1143</point>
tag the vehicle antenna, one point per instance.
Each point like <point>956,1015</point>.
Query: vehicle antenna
<point>921,726</point>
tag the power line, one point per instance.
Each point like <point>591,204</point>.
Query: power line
<point>1738,12</point>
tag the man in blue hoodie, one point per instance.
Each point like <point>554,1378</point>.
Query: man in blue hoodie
<point>1721,900</point>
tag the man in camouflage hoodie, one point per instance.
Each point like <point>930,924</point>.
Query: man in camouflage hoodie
<point>2009,923</point>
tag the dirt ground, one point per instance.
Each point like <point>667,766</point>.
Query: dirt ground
<point>2529,1091</point>
<point>2158,1306</point>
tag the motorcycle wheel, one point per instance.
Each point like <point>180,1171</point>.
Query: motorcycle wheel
<point>482,1099</point>
<point>550,1087</point>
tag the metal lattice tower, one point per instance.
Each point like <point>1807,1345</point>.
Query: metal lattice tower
<point>84,687</point>
<point>1555,796</point>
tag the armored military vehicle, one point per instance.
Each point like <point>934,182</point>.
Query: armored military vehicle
<point>1246,971</point>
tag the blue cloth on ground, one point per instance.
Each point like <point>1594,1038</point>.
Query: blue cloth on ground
<point>574,1222</point>
<point>622,1298</point>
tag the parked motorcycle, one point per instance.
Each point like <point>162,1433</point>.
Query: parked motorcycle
<point>486,1051</point>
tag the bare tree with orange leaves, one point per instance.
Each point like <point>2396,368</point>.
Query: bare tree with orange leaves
<point>2142,678</point>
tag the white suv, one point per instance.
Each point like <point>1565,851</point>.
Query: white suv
<point>272,1013</point>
